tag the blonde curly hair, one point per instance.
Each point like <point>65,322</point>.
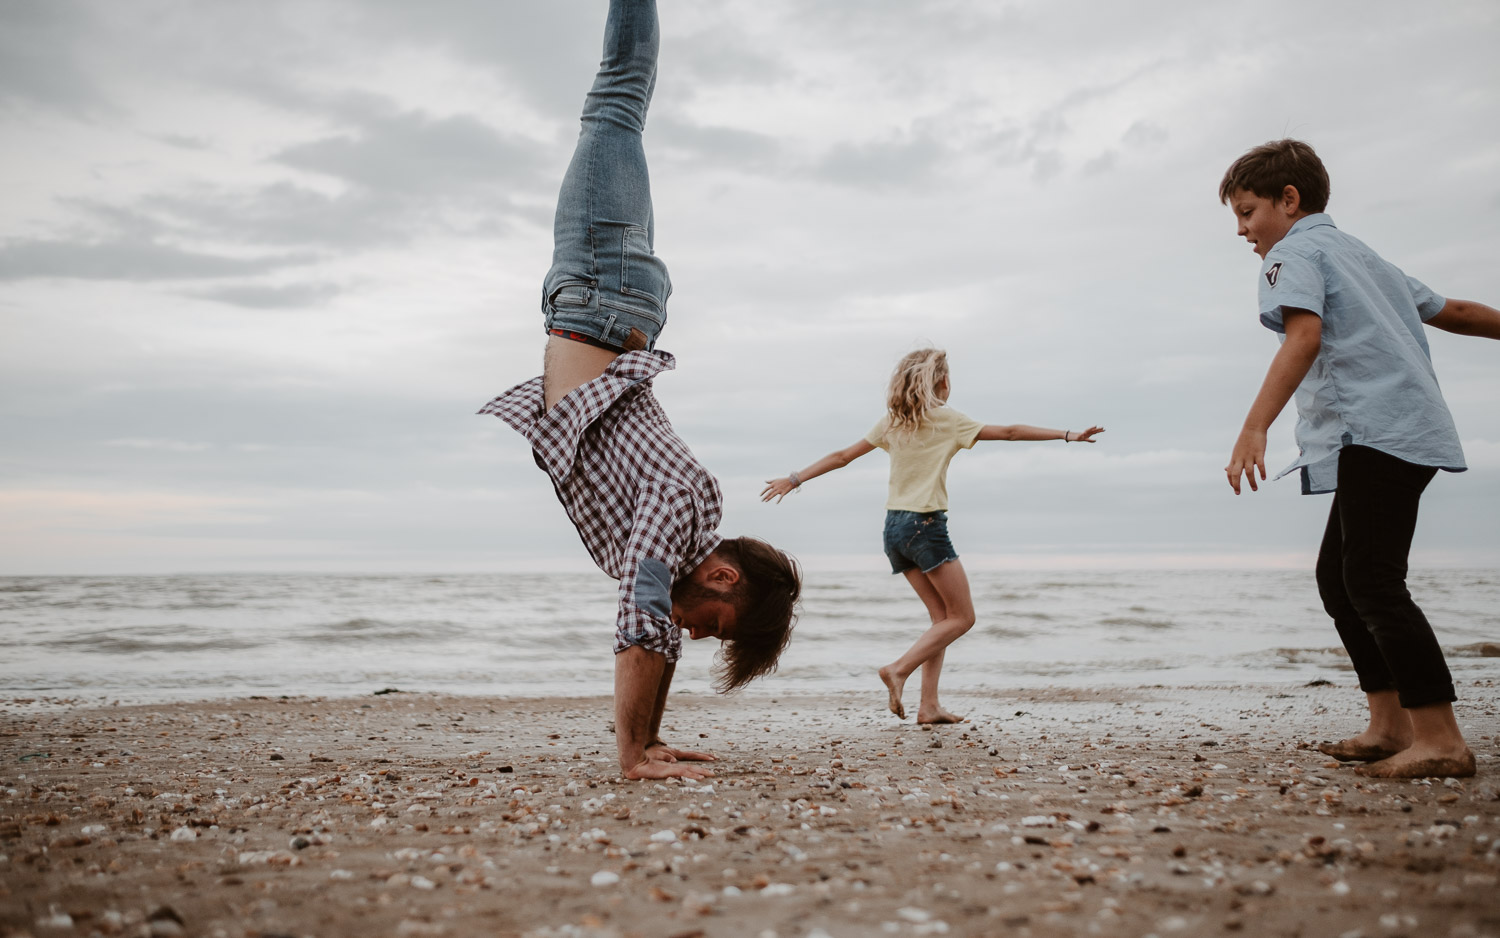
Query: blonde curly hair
<point>913,388</point>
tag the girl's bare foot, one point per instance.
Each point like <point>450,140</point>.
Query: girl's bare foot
<point>1422,762</point>
<point>937,715</point>
<point>893,687</point>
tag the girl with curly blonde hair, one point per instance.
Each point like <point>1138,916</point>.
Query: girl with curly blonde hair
<point>921,433</point>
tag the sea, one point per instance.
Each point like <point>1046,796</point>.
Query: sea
<point>146,639</point>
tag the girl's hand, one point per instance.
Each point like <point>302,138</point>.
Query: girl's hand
<point>1088,435</point>
<point>777,489</point>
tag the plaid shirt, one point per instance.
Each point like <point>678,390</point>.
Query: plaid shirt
<point>645,508</point>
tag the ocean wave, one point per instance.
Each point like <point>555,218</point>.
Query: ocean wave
<point>1004,631</point>
<point>1334,657</point>
<point>370,631</point>
<point>141,642</point>
<point>1139,622</point>
<point>1476,650</point>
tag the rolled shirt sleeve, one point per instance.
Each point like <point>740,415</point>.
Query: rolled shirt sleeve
<point>660,538</point>
<point>1288,280</point>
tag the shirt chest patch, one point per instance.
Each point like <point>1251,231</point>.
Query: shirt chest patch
<point>1274,273</point>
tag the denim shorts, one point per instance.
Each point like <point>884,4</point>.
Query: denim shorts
<point>917,539</point>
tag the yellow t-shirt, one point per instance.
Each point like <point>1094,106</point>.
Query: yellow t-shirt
<point>919,459</point>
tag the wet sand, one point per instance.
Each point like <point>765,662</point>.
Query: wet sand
<point>1147,811</point>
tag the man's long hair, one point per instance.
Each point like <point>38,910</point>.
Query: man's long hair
<point>765,602</point>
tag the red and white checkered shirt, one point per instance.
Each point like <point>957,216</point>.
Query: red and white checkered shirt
<point>645,508</point>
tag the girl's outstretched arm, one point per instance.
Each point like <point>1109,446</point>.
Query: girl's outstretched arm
<point>838,459</point>
<point>1020,432</point>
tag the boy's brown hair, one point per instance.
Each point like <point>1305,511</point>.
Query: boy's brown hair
<point>765,600</point>
<point>1269,168</point>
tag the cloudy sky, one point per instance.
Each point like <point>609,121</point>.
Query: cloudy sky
<point>260,263</point>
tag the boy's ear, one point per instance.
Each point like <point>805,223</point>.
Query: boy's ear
<point>1291,200</point>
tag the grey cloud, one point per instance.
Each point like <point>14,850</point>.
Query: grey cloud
<point>887,164</point>
<point>184,141</point>
<point>1048,164</point>
<point>286,214</point>
<point>126,260</point>
<point>40,59</point>
<point>293,296</point>
<point>721,147</point>
<point>1102,163</point>
<point>413,153</point>
<point>1144,133</point>
<point>407,173</point>
<point>710,58</point>
<point>546,51</point>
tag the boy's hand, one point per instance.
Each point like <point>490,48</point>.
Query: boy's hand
<point>1088,435</point>
<point>1249,455</point>
<point>777,489</point>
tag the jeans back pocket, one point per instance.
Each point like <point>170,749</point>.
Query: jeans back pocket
<point>642,273</point>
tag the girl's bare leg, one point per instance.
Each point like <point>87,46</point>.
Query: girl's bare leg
<point>952,615</point>
<point>929,710</point>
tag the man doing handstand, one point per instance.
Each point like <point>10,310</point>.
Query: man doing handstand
<point>645,508</point>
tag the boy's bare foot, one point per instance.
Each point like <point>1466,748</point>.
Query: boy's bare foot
<point>1355,750</point>
<point>937,715</point>
<point>893,687</point>
<point>1421,762</point>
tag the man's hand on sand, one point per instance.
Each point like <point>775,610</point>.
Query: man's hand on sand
<point>651,768</point>
<point>661,752</point>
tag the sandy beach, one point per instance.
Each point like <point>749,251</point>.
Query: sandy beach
<point>1147,811</point>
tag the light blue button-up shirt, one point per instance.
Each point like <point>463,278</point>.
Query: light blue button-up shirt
<point>1372,383</point>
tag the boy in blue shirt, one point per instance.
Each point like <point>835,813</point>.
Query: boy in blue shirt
<point>1372,428</point>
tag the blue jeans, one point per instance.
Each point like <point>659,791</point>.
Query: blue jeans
<point>917,539</point>
<point>605,282</point>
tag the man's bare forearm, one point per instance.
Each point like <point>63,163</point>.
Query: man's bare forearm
<point>664,685</point>
<point>640,693</point>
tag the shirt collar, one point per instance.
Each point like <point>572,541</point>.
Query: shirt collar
<point>1311,221</point>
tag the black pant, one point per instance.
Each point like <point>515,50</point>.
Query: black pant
<point>1362,578</point>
